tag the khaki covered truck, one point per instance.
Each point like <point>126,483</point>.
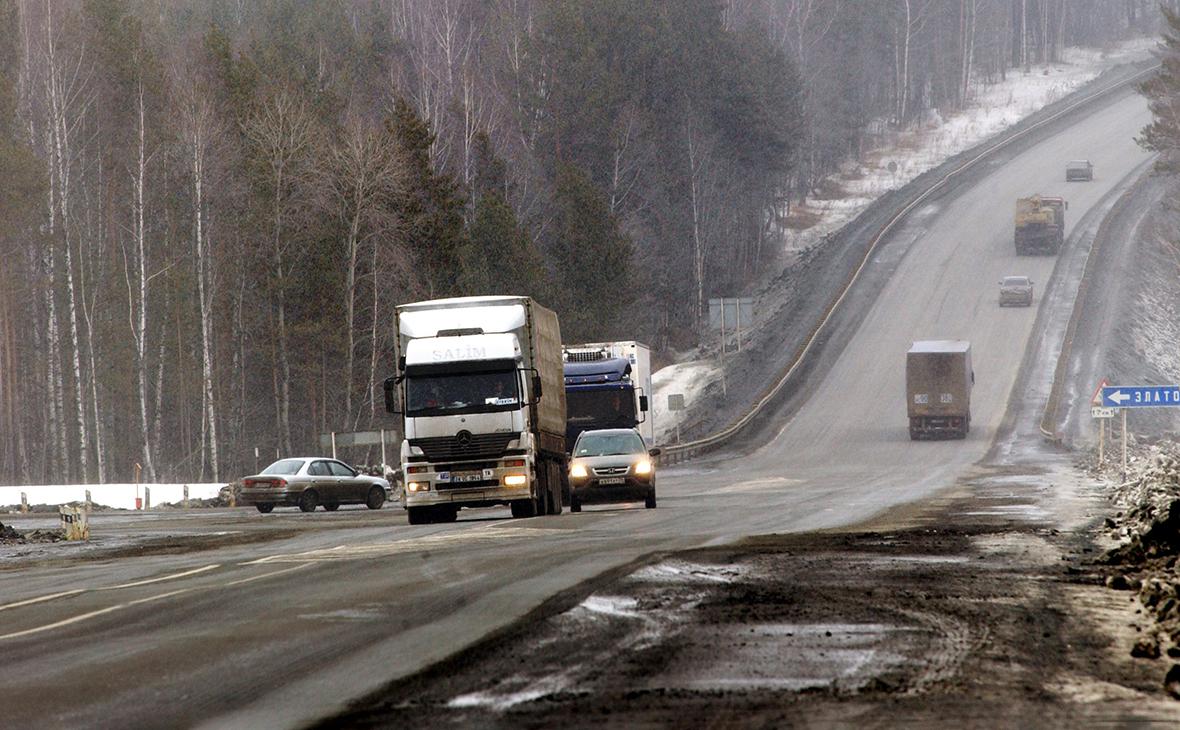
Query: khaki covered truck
<point>938,382</point>
<point>1040,225</point>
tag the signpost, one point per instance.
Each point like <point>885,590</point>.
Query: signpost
<point>676,403</point>
<point>1122,397</point>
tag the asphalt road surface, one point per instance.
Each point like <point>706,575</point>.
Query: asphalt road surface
<point>236,619</point>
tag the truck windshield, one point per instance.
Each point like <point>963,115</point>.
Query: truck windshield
<point>587,409</point>
<point>434,395</point>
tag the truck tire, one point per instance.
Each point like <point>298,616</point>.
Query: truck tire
<point>524,508</point>
<point>445,513</point>
<point>575,504</point>
<point>419,515</point>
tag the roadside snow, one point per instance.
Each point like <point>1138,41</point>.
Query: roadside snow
<point>911,152</point>
<point>687,378</point>
<point>119,496</point>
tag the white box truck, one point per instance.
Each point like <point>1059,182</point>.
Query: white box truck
<point>483,406</point>
<point>607,385</point>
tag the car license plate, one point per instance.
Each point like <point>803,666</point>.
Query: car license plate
<point>611,480</point>
<point>466,476</point>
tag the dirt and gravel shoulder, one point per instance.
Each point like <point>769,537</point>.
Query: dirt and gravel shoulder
<point>975,610</point>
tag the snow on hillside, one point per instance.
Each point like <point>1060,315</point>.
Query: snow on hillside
<point>903,156</point>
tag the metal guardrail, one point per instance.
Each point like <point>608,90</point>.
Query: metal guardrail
<point>1048,425</point>
<point>680,452</point>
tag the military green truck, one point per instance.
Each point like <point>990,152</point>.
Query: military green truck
<point>1040,225</point>
<point>938,382</point>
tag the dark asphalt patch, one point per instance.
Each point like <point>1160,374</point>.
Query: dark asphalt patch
<point>923,626</point>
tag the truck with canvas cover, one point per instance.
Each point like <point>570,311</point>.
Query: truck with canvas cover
<point>607,385</point>
<point>938,382</point>
<point>1040,225</point>
<point>483,406</point>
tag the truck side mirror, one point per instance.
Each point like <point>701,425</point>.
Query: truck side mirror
<point>643,403</point>
<point>390,386</point>
<point>537,387</point>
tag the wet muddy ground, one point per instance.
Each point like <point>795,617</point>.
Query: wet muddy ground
<point>992,622</point>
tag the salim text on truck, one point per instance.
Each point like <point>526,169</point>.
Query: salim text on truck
<point>483,406</point>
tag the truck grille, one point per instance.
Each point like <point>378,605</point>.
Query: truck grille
<point>464,446</point>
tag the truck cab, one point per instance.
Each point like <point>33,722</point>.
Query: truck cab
<point>607,386</point>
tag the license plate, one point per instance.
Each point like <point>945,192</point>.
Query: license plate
<point>612,480</point>
<point>466,476</point>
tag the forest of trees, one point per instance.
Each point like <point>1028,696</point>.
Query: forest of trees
<point>209,208</point>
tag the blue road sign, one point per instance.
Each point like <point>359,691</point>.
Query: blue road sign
<point>1141,396</point>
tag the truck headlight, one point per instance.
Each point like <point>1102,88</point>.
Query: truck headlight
<point>643,467</point>
<point>578,471</point>
<point>515,480</point>
<point>417,486</point>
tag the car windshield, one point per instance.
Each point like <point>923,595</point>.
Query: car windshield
<point>432,395</point>
<point>284,467</point>
<point>608,444</point>
<point>1015,281</point>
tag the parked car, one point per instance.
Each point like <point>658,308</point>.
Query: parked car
<point>310,481</point>
<point>612,465</point>
<point>1016,291</point>
<point>1079,170</point>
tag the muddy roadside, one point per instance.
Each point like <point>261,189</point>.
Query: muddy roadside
<point>974,610</point>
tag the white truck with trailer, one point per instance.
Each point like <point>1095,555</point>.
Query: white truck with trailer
<point>483,406</point>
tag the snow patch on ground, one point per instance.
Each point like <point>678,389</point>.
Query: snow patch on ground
<point>119,496</point>
<point>679,571</point>
<point>687,378</point>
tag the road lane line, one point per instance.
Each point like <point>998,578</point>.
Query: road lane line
<point>266,575</point>
<point>162,578</point>
<point>91,614</point>
<point>40,599</point>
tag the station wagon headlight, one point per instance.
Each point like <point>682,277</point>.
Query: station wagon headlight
<point>578,471</point>
<point>643,467</point>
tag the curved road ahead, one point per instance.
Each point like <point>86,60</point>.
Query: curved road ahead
<point>282,618</point>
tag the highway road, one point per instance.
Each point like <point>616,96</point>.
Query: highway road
<point>236,619</point>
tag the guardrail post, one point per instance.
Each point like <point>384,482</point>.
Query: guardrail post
<point>89,502</point>
<point>24,503</point>
<point>147,497</point>
<point>186,496</point>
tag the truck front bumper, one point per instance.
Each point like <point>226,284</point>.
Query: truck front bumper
<point>472,488</point>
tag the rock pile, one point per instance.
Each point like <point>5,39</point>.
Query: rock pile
<point>10,535</point>
<point>1148,528</point>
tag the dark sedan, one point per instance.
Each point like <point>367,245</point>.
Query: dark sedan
<point>308,482</point>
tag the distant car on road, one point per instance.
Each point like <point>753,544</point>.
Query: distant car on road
<point>1079,170</point>
<point>310,481</point>
<point>612,465</point>
<point>1016,291</point>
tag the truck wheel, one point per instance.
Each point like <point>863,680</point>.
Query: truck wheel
<point>523,508</point>
<point>446,513</point>
<point>376,498</point>
<point>308,501</point>
<point>419,515</point>
<point>264,507</point>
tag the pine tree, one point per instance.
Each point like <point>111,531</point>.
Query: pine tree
<point>432,208</point>
<point>1163,93</point>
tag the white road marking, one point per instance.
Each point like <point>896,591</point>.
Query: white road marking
<point>92,614</point>
<point>162,578</point>
<point>41,599</point>
<point>382,549</point>
<point>266,575</point>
